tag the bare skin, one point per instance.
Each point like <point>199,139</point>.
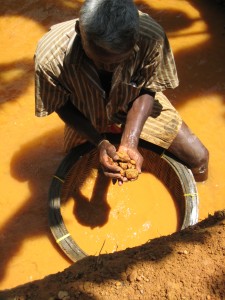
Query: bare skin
<point>136,118</point>
<point>186,146</point>
<point>189,149</point>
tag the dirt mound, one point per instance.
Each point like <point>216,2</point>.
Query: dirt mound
<point>185,265</point>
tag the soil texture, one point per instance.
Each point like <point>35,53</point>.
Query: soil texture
<point>188,264</point>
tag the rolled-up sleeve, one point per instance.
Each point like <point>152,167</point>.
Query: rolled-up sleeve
<point>49,93</point>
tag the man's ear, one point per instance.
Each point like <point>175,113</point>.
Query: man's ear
<point>77,27</point>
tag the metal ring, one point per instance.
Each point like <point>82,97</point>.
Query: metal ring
<point>177,177</point>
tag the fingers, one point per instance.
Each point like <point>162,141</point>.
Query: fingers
<point>139,163</point>
<point>108,165</point>
<point>135,155</point>
<point>116,176</point>
<point>111,151</point>
<point>113,171</point>
<point>116,170</point>
<point>120,182</point>
<point>107,156</point>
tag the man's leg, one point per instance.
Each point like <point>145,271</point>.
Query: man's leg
<point>189,149</point>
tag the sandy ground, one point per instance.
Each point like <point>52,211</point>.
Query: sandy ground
<point>185,265</point>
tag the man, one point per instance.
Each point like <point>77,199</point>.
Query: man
<point>108,69</point>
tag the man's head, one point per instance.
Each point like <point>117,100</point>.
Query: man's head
<point>109,29</point>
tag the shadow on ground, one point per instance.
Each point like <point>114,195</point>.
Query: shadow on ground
<point>200,71</point>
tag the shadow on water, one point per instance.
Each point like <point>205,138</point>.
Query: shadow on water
<point>35,163</point>
<point>45,13</point>
<point>81,167</point>
<point>94,212</point>
<point>19,83</point>
<point>199,69</point>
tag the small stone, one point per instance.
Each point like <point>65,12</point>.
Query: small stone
<point>123,157</point>
<point>185,252</point>
<point>118,283</point>
<point>86,285</point>
<point>64,295</point>
<point>138,278</point>
<point>132,276</point>
<point>131,173</point>
<point>123,276</point>
<point>123,165</point>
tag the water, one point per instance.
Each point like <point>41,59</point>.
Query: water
<point>31,148</point>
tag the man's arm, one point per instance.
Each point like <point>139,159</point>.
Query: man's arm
<point>136,117</point>
<point>75,119</point>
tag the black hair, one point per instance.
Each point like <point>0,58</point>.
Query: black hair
<point>110,24</point>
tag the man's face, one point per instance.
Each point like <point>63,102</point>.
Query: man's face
<point>103,59</point>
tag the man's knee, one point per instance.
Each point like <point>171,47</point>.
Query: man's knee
<point>199,166</point>
<point>189,149</point>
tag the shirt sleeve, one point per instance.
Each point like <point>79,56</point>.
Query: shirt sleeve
<point>49,93</point>
<point>159,69</point>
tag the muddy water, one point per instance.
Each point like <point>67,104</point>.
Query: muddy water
<point>31,148</point>
<point>115,217</point>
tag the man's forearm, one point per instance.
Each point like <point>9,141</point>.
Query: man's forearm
<point>136,117</point>
<point>74,118</point>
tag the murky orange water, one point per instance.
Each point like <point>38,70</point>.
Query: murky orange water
<point>31,148</point>
<point>118,217</point>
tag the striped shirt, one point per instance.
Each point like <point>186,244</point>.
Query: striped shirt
<point>64,73</point>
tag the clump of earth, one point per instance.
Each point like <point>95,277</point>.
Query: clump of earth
<point>188,264</point>
<point>127,166</point>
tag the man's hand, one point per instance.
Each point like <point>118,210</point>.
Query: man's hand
<point>107,154</point>
<point>134,154</point>
<point>136,117</point>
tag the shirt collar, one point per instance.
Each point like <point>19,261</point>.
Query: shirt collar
<point>75,52</point>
